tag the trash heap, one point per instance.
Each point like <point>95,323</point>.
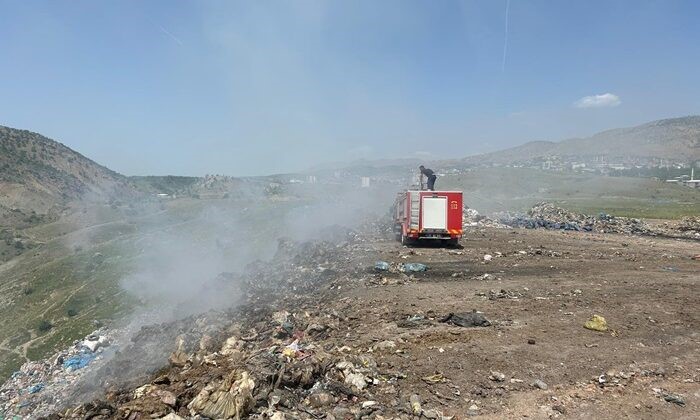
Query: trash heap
<point>689,227</point>
<point>281,353</point>
<point>472,218</point>
<point>548,216</point>
<point>43,385</point>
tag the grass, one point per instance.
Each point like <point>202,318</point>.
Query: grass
<point>502,189</point>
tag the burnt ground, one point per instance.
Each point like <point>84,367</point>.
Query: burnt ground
<point>537,291</point>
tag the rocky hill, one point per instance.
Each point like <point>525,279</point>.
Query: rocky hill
<point>39,174</point>
<point>676,139</point>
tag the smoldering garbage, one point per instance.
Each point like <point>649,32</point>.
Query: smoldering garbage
<point>269,357</point>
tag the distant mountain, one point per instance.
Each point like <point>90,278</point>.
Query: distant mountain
<point>39,174</point>
<point>676,139</point>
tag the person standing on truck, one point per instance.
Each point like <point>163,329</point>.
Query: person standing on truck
<point>428,173</point>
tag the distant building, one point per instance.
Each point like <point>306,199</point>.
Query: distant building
<point>692,183</point>
<point>365,182</point>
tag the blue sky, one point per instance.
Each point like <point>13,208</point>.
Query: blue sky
<point>256,87</point>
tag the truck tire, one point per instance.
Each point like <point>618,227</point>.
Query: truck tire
<point>405,240</point>
<point>452,243</point>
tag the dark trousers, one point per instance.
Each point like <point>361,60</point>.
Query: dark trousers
<point>431,182</point>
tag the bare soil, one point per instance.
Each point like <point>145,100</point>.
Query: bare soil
<point>647,290</point>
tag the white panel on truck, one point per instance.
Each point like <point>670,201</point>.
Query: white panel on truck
<point>434,213</point>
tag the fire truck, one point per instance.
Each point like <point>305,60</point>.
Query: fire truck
<point>428,215</point>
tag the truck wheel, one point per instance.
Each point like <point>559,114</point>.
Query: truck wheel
<point>405,240</point>
<point>452,243</point>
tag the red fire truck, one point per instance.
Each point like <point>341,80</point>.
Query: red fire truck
<point>428,215</point>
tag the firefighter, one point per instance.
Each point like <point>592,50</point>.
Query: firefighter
<point>428,173</point>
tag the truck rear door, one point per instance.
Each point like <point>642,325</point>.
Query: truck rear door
<point>434,214</point>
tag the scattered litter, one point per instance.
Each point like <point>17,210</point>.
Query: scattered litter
<point>382,266</point>
<point>675,399</point>
<point>540,384</point>
<point>435,379</point>
<point>357,380</point>
<point>413,267</point>
<point>416,408</point>
<point>497,376</point>
<point>36,388</point>
<point>467,319</point>
<point>596,323</point>
<point>93,342</point>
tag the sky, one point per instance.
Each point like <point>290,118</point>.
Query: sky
<point>259,87</point>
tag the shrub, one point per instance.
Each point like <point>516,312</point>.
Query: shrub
<point>44,326</point>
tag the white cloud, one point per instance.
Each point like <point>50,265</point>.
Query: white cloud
<point>598,101</point>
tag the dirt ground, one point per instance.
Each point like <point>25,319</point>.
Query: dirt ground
<point>546,285</point>
<point>534,360</point>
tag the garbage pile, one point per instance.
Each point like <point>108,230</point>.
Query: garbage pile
<point>41,386</point>
<point>689,227</point>
<point>472,218</point>
<point>548,216</point>
<point>281,353</point>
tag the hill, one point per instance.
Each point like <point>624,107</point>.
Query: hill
<point>39,174</point>
<point>676,139</point>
